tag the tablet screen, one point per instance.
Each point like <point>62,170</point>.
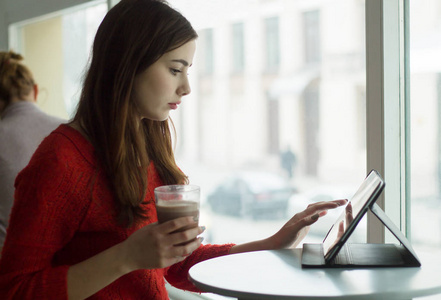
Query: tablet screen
<point>360,202</point>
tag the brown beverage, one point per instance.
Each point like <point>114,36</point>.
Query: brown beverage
<point>169,210</point>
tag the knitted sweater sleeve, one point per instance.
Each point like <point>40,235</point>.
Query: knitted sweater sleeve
<point>46,213</point>
<point>177,274</point>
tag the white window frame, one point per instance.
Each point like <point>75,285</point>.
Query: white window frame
<point>386,109</point>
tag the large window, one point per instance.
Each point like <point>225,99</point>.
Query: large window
<point>425,120</point>
<point>291,131</point>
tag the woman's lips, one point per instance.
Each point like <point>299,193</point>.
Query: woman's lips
<point>173,105</point>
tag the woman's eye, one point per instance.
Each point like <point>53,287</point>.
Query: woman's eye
<point>175,71</point>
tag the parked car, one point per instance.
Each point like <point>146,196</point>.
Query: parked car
<point>251,193</point>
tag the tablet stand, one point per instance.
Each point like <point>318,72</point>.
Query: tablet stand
<point>365,255</point>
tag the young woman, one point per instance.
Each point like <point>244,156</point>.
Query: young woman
<point>22,127</point>
<point>84,222</point>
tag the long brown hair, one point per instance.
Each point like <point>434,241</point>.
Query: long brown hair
<point>133,35</point>
<point>16,79</point>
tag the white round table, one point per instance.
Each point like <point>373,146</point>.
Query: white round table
<point>278,274</point>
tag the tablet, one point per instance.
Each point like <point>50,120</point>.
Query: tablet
<point>336,252</point>
<point>362,200</point>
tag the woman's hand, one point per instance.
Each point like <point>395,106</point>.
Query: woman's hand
<point>162,245</point>
<point>293,232</point>
<point>153,246</point>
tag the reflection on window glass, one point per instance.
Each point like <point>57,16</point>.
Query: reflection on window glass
<point>263,145</point>
<point>425,80</point>
<point>206,51</point>
<point>238,48</point>
<point>271,43</point>
<point>312,36</point>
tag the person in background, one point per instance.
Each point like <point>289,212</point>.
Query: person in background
<point>84,222</point>
<point>22,127</point>
<point>288,161</point>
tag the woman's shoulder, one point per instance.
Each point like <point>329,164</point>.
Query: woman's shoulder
<point>63,163</point>
<point>62,154</point>
<point>66,144</point>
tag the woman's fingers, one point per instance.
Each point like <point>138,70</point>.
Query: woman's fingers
<point>341,229</point>
<point>323,213</point>
<point>161,245</point>
<point>184,250</point>
<point>325,205</point>
<point>179,253</point>
<point>349,216</point>
<point>331,204</point>
<point>182,237</point>
<point>321,208</point>
<point>313,212</point>
<point>340,202</point>
<point>298,226</point>
<point>176,225</point>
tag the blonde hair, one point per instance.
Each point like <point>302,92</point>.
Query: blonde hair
<point>16,80</point>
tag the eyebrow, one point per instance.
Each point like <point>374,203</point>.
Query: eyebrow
<point>182,61</point>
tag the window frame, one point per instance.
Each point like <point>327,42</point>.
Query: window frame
<point>387,122</point>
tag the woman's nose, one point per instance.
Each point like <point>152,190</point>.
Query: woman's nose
<point>185,88</point>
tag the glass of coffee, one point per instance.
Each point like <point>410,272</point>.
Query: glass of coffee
<point>175,201</point>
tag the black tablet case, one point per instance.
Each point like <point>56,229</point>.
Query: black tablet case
<point>365,255</point>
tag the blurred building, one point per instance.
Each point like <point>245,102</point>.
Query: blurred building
<point>276,73</point>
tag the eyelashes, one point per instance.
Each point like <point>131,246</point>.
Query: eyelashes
<point>176,71</point>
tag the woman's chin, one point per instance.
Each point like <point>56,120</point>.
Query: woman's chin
<point>157,118</point>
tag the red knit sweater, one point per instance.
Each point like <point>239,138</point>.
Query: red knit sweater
<point>64,213</point>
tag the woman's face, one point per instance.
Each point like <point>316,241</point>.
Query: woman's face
<point>161,86</point>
